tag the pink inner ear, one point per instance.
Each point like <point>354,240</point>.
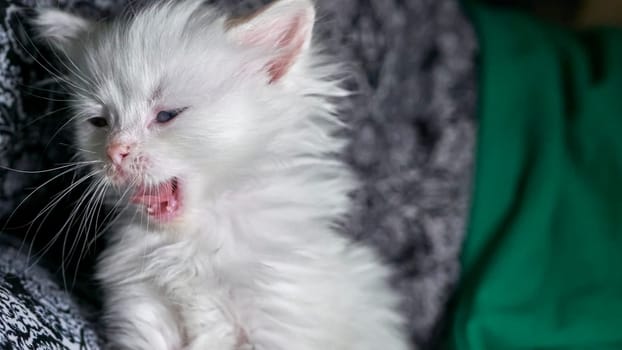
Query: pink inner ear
<point>287,38</point>
<point>290,46</point>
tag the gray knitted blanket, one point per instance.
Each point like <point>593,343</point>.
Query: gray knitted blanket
<point>412,137</point>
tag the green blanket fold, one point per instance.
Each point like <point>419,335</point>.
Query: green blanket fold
<point>542,262</point>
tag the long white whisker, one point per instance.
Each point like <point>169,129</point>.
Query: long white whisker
<point>33,192</point>
<point>86,220</point>
<point>101,231</point>
<point>87,195</point>
<point>55,237</point>
<point>45,115</point>
<point>99,202</point>
<point>59,196</point>
<point>65,166</point>
<point>64,125</point>
<point>85,225</point>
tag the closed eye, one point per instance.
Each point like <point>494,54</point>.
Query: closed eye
<point>166,116</point>
<point>98,122</point>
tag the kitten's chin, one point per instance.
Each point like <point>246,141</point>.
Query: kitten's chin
<point>162,202</point>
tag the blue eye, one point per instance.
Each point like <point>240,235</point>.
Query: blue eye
<point>167,116</point>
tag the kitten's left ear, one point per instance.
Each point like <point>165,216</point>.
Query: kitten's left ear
<point>61,29</point>
<point>284,28</point>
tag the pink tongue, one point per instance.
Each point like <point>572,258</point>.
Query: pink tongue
<point>159,200</point>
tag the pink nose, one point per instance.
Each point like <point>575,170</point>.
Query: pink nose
<point>117,152</point>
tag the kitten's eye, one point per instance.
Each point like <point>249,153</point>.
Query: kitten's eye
<point>167,116</point>
<point>98,122</point>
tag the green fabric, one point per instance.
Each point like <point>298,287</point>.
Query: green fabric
<point>542,261</point>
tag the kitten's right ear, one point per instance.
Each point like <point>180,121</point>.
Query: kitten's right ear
<point>283,28</point>
<point>60,28</point>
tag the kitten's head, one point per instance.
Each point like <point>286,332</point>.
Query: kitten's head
<point>177,99</point>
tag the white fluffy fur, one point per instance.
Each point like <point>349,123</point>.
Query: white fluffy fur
<point>256,260</point>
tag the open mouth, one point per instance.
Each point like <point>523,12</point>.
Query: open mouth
<point>162,201</point>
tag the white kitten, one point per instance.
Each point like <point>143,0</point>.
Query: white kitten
<point>218,137</point>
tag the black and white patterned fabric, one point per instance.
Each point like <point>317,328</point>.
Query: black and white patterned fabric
<point>35,311</point>
<point>412,141</point>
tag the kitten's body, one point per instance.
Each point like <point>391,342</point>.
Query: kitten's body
<point>252,259</point>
